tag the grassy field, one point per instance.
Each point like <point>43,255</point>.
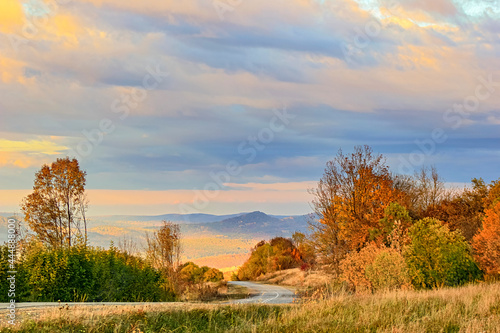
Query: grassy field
<point>468,309</point>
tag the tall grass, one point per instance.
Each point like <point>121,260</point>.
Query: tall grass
<point>474,308</point>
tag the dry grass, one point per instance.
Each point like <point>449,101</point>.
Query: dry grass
<point>474,308</point>
<point>90,313</point>
<point>298,278</point>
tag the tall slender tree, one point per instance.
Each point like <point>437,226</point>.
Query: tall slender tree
<point>56,209</point>
<point>164,252</point>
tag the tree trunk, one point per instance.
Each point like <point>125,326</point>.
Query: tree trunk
<point>69,220</point>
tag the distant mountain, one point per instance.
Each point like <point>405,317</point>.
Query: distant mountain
<point>255,225</point>
<point>177,218</point>
<point>248,219</point>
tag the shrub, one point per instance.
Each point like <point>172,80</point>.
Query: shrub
<point>437,257</point>
<point>374,268</point>
<point>213,275</point>
<point>191,273</point>
<point>353,268</point>
<point>388,271</point>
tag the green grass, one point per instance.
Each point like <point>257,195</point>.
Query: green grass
<point>467,309</point>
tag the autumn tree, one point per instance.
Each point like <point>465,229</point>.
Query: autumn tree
<point>394,227</point>
<point>350,200</point>
<point>462,210</point>
<point>305,249</point>
<point>424,190</point>
<point>429,188</point>
<point>493,196</point>
<point>56,209</point>
<point>486,243</point>
<point>266,257</point>
<point>164,250</point>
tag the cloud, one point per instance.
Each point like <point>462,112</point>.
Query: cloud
<point>25,154</point>
<point>227,76</point>
<point>161,202</point>
<point>32,146</point>
<point>442,7</point>
<point>11,70</point>
<point>11,15</point>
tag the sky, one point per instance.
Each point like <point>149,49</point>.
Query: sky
<point>228,106</point>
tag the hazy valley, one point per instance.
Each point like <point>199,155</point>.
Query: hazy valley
<point>221,241</point>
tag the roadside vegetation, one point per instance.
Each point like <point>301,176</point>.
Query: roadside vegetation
<point>473,308</point>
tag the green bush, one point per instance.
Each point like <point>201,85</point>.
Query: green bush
<point>437,257</point>
<point>4,268</point>
<point>122,277</point>
<point>84,273</point>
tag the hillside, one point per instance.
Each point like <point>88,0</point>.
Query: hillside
<point>254,225</point>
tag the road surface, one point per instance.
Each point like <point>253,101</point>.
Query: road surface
<point>264,293</point>
<point>261,294</point>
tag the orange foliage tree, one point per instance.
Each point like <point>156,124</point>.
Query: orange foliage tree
<point>56,209</point>
<point>493,194</point>
<point>486,243</point>
<point>463,211</point>
<point>350,200</point>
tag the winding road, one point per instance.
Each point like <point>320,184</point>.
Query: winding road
<point>260,294</point>
<point>264,293</point>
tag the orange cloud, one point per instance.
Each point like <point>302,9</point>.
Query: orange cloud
<point>65,29</point>
<point>25,154</point>
<point>11,70</point>
<point>420,56</point>
<point>11,16</point>
<point>37,146</point>
<point>15,159</point>
<point>66,25</point>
